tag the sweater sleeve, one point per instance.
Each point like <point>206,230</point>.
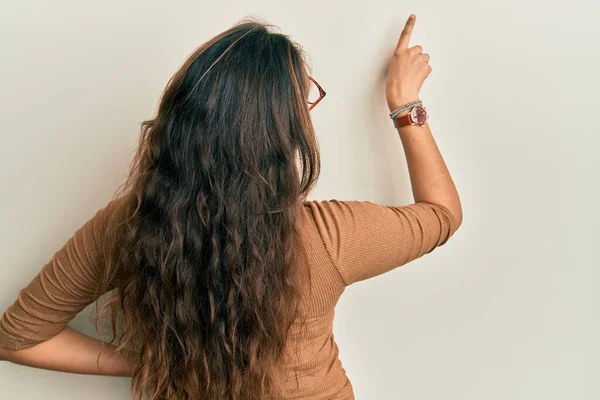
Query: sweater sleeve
<point>62,288</point>
<point>365,239</point>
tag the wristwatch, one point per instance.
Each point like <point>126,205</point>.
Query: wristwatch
<point>416,116</point>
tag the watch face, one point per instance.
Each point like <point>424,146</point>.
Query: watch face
<point>419,115</point>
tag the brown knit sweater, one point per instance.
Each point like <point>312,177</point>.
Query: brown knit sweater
<point>346,241</point>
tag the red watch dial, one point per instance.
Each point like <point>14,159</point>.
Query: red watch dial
<point>418,114</point>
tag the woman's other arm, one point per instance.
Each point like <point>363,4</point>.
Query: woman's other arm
<point>34,331</point>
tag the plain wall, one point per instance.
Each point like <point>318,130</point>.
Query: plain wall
<point>507,309</point>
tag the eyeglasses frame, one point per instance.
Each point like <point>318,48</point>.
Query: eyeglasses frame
<point>322,94</point>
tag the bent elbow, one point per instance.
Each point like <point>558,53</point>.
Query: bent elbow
<point>457,216</point>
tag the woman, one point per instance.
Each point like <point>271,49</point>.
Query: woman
<point>223,277</point>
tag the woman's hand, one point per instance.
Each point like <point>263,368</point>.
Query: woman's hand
<point>74,352</point>
<point>407,71</point>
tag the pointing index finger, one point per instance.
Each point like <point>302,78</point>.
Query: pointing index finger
<point>405,35</point>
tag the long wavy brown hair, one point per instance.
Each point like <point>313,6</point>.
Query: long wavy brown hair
<point>202,247</point>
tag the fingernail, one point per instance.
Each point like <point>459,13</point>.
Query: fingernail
<point>412,16</point>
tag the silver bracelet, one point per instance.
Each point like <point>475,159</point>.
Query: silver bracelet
<point>406,107</point>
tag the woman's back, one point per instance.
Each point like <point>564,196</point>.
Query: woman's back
<point>345,242</point>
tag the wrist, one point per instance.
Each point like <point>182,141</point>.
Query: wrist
<point>411,114</point>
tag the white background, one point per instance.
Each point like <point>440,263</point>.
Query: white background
<point>507,309</point>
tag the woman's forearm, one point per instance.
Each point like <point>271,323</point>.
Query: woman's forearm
<point>431,182</point>
<point>72,351</point>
